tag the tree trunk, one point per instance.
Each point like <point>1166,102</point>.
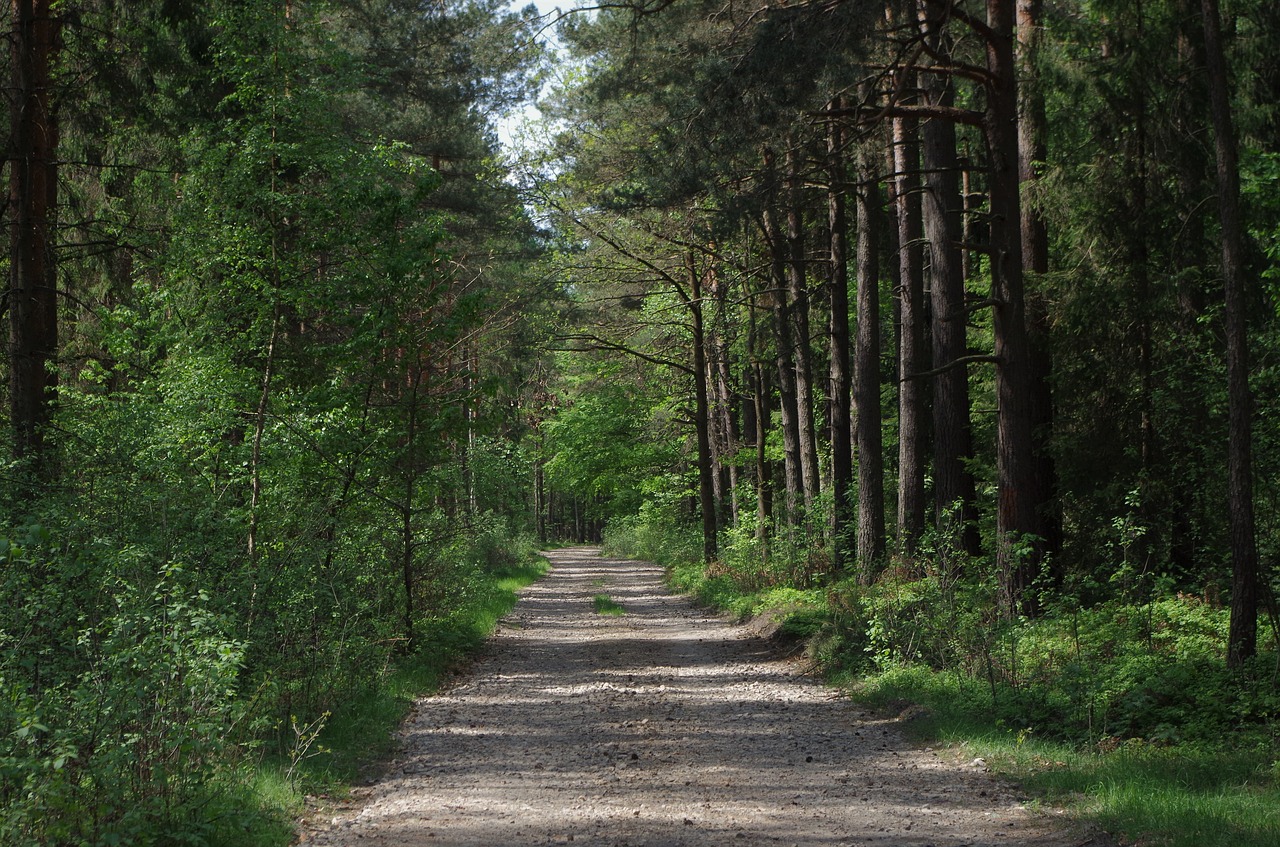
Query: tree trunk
<point>1032,150</point>
<point>799,295</point>
<point>725,411</point>
<point>866,375</point>
<point>942,210</point>
<point>702,415</point>
<point>758,431</point>
<point>1017,550</point>
<point>33,202</point>
<point>782,326</point>
<point>911,352</point>
<point>1242,637</point>
<point>764,471</point>
<point>841,379</point>
<point>409,466</point>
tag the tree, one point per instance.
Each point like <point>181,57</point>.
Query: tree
<point>866,371</point>
<point>841,380</point>
<point>912,361</point>
<point>953,485</point>
<point>1242,641</point>
<point>32,298</point>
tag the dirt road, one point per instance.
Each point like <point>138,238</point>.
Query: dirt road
<point>661,727</point>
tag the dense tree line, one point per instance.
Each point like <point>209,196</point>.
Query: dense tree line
<point>945,281</point>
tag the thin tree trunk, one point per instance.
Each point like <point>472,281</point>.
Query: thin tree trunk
<point>759,432</point>
<point>726,400</point>
<point>782,327</point>
<point>799,295</point>
<point>1242,637</point>
<point>33,203</point>
<point>764,471</point>
<point>702,416</point>
<point>866,375</point>
<point>723,417</point>
<point>1033,133</point>
<point>259,428</point>
<point>841,379</point>
<point>410,470</point>
<point>911,351</point>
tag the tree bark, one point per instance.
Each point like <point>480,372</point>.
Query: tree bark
<point>798,293</point>
<point>840,378</point>
<point>911,353</point>
<point>728,431</point>
<point>1242,636</point>
<point>866,376</point>
<point>764,471</point>
<point>33,203</point>
<point>1017,548</point>
<point>782,327</point>
<point>942,211</point>
<point>702,416</point>
<point>1032,150</point>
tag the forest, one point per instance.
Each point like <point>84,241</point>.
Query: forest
<point>943,331</point>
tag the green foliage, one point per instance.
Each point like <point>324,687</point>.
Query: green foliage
<point>361,729</point>
<point>656,533</point>
<point>287,493</point>
<point>121,697</point>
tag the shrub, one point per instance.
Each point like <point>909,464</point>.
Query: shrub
<point>117,714</point>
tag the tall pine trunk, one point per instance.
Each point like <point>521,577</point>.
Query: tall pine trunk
<point>798,294</point>
<point>702,415</point>
<point>785,363</point>
<point>1242,637</point>
<point>912,407</point>
<point>943,211</point>
<point>1032,150</point>
<point>840,378</point>
<point>1017,523</point>
<point>33,203</point>
<point>866,375</point>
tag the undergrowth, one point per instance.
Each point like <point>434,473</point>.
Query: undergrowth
<point>139,719</point>
<point>358,736</point>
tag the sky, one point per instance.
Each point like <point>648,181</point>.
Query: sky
<point>509,127</point>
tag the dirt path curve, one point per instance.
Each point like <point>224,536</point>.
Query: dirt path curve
<point>662,727</point>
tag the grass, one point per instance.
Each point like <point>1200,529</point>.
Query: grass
<point>606,605</point>
<point>1183,795</point>
<point>359,735</point>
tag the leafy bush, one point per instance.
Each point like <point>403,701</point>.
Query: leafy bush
<point>656,533</point>
<point>120,701</point>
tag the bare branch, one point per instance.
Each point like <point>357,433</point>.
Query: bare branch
<point>952,365</point>
<point>598,343</point>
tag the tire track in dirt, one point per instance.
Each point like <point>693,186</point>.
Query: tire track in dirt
<point>663,727</point>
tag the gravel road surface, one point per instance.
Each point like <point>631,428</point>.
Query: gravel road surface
<point>663,727</point>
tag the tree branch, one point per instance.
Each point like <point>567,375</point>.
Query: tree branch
<point>599,343</point>
<point>952,365</point>
<point>946,113</point>
<point>951,10</point>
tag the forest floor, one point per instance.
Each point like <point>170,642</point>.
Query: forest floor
<point>664,725</point>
